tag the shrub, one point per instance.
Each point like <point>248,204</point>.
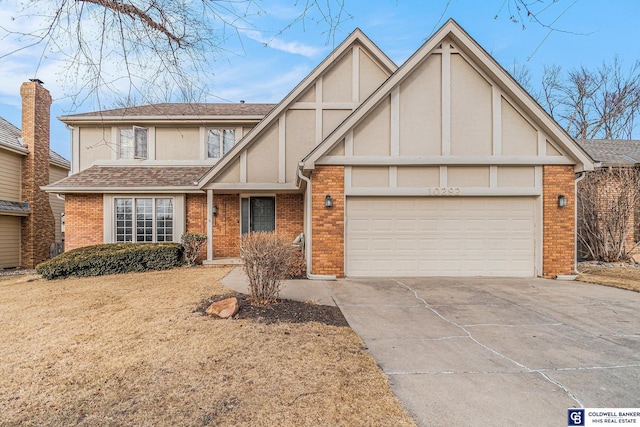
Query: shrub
<point>115,258</point>
<point>266,260</point>
<point>297,265</point>
<point>192,244</point>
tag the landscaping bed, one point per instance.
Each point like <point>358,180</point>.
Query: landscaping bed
<point>133,349</point>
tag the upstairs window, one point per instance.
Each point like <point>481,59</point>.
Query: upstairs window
<point>219,142</point>
<point>133,143</point>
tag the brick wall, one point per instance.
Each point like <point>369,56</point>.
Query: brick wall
<point>558,237</point>
<point>289,215</point>
<point>328,223</point>
<point>37,229</point>
<point>226,226</point>
<point>83,220</point>
<point>196,218</point>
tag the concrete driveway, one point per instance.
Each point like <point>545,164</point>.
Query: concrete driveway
<point>498,352</point>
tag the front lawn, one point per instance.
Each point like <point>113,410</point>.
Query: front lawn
<point>625,277</point>
<point>133,350</point>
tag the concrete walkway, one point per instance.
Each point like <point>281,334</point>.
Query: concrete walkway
<point>304,290</point>
<point>498,352</point>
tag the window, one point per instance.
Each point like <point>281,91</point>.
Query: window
<point>133,143</point>
<point>153,220</point>
<point>258,214</point>
<point>219,142</point>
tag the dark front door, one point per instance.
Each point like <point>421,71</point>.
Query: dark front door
<point>262,214</point>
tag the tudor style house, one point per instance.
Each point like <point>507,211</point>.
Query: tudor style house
<point>443,166</point>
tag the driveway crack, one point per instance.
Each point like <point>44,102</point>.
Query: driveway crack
<point>486,347</point>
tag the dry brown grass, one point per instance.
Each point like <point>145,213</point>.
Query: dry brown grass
<point>619,277</point>
<point>129,350</point>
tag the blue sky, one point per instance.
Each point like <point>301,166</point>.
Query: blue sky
<point>593,31</point>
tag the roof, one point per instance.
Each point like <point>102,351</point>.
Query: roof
<point>119,178</point>
<point>487,64</point>
<point>10,137</point>
<point>612,151</point>
<point>357,36</point>
<point>14,208</point>
<point>176,110</point>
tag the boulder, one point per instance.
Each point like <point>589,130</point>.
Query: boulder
<point>224,308</point>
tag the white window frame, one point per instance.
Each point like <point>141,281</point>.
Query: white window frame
<point>137,151</point>
<point>109,212</point>
<point>221,131</point>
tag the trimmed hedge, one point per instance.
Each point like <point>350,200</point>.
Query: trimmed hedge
<point>114,258</point>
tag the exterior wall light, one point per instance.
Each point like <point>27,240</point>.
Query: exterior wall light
<point>562,201</point>
<point>328,201</point>
<point>214,210</point>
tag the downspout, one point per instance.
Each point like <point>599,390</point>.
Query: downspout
<point>575,218</point>
<point>307,231</point>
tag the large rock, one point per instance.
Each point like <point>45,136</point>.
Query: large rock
<point>224,308</point>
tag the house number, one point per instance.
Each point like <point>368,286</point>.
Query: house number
<point>444,191</point>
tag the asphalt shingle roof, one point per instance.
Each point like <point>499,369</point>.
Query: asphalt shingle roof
<point>181,109</point>
<point>134,176</point>
<point>612,151</point>
<point>14,207</point>
<point>10,136</point>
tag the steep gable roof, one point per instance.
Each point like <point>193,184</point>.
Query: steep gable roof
<point>452,31</point>
<point>357,36</point>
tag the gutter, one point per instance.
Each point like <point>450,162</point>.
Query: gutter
<point>308,228</point>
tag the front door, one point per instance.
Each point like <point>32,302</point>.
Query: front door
<point>262,214</point>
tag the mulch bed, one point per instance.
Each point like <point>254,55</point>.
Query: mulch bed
<point>284,310</point>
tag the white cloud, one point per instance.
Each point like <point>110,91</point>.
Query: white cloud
<point>293,47</point>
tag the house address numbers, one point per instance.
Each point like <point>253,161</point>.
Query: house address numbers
<point>443,191</point>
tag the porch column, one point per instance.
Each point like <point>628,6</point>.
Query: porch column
<point>209,225</point>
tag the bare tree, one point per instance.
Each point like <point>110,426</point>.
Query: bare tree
<point>607,201</point>
<point>146,48</point>
<point>593,104</point>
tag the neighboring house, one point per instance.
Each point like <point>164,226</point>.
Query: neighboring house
<point>444,166</point>
<point>614,153</point>
<point>30,219</point>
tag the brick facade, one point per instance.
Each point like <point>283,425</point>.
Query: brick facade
<point>328,223</point>
<point>558,235</point>
<point>84,220</point>
<point>37,229</point>
<point>289,215</point>
<point>196,218</point>
<point>226,226</point>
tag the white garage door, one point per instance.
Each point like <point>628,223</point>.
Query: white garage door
<point>9,241</point>
<point>440,236</point>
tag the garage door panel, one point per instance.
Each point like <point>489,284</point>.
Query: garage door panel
<point>473,236</point>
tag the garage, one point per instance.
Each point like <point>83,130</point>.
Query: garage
<point>9,241</point>
<point>440,236</point>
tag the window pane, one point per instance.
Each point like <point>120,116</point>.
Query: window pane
<point>124,215</point>
<point>229,140</point>
<point>213,143</point>
<point>144,219</point>
<point>126,143</point>
<point>164,220</point>
<point>141,142</point>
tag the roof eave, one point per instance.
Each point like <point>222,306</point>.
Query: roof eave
<point>88,189</point>
<point>72,120</point>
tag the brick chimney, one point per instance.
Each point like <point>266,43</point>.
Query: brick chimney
<point>38,229</point>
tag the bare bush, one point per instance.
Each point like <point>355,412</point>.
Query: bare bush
<point>607,200</point>
<point>267,257</point>
<point>192,244</point>
<point>297,265</point>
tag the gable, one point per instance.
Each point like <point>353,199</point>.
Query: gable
<point>269,155</point>
<point>452,105</point>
